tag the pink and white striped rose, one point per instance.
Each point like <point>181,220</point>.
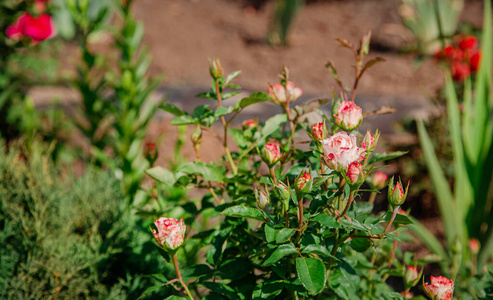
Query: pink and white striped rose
<point>170,232</point>
<point>340,150</point>
<point>349,115</point>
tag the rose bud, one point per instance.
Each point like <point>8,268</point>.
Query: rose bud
<point>440,288</point>
<point>319,131</point>
<point>262,198</point>
<point>280,94</point>
<point>349,116</point>
<point>474,61</point>
<point>460,70</point>
<point>304,182</point>
<point>396,194</point>
<point>215,68</point>
<point>284,193</point>
<point>340,150</point>
<point>271,152</point>
<point>379,179</point>
<point>474,246</point>
<point>468,42</point>
<point>170,234</point>
<point>411,277</point>
<point>355,175</point>
<point>248,124</point>
<point>370,141</point>
<point>150,152</point>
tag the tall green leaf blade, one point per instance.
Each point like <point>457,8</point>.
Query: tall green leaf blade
<point>443,193</point>
<point>462,186</point>
<point>240,211</point>
<point>311,272</point>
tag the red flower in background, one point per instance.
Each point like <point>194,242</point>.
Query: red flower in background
<point>463,57</point>
<point>38,28</point>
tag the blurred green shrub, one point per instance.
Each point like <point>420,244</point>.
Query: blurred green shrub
<point>284,15</point>
<point>66,237</point>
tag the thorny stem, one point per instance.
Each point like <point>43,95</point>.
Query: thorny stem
<point>341,185</point>
<point>350,201</point>
<point>373,195</point>
<point>225,125</point>
<point>273,174</point>
<point>394,213</point>
<point>300,217</point>
<point>178,275</point>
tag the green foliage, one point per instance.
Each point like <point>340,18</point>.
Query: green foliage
<point>316,241</point>
<point>64,236</point>
<point>282,20</point>
<point>464,209</point>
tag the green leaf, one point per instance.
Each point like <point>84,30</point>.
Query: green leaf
<point>273,124</point>
<point>316,249</point>
<point>270,233</point>
<point>222,111</point>
<point>184,120</point>
<point>280,252</point>
<point>208,172</point>
<point>326,220</point>
<point>284,235</point>
<point>231,77</point>
<point>221,289</point>
<point>252,99</point>
<point>445,198</point>
<point>399,219</point>
<point>377,157</point>
<point>360,244</point>
<point>235,269</point>
<point>268,290</point>
<point>311,272</point>
<point>162,175</point>
<point>240,211</point>
<point>172,109</point>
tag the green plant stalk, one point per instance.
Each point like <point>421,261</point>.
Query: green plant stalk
<point>234,168</point>
<point>346,209</point>
<point>178,276</point>
<point>439,23</point>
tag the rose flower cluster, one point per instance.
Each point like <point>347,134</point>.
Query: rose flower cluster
<point>462,57</point>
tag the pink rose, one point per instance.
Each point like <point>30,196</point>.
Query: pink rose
<point>318,131</point>
<point>396,193</point>
<point>247,124</point>
<point>170,232</point>
<point>38,28</point>
<point>474,246</point>
<point>348,116</point>
<point>279,94</point>
<point>340,150</point>
<point>304,182</point>
<point>440,288</point>
<point>411,277</point>
<point>262,198</point>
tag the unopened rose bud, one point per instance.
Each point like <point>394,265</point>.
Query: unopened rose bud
<point>271,152</point>
<point>284,193</point>
<point>370,141</point>
<point>280,94</point>
<point>474,246</point>
<point>348,116</point>
<point>396,194</point>
<point>319,131</point>
<point>248,124</point>
<point>196,136</point>
<point>355,174</point>
<point>150,152</point>
<point>304,182</point>
<point>170,233</point>
<point>215,68</point>
<point>379,180</point>
<point>440,288</point>
<point>262,198</point>
<point>411,277</point>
